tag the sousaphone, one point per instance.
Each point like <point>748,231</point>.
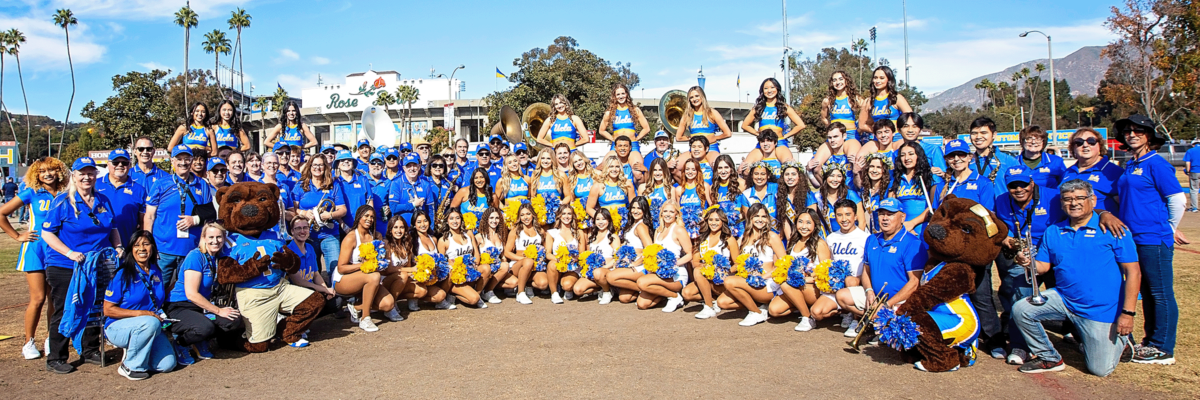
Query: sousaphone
<point>670,110</point>
<point>534,116</point>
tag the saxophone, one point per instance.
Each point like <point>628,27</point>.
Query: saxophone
<point>440,214</point>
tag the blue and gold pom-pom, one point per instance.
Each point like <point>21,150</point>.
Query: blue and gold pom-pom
<point>838,273</point>
<point>666,265</point>
<point>594,261</point>
<point>722,266</point>
<point>734,217</point>
<point>897,331</point>
<point>625,256</point>
<point>795,274</point>
<point>692,216</point>
<point>655,205</point>
<point>491,258</point>
<point>442,265</point>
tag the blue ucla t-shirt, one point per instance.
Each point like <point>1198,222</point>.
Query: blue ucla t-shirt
<point>243,248</point>
<point>308,260</point>
<point>197,261</point>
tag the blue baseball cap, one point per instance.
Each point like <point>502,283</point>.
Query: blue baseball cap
<point>343,155</point>
<point>376,156</point>
<point>495,138</point>
<point>215,161</point>
<point>482,147</point>
<point>661,135</point>
<point>381,149</point>
<point>412,159</point>
<point>279,145</point>
<point>391,153</point>
<point>326,147</point>
<point>363,142</point>
<point>890,204</point>
<point>180,149</point>
<point>1018,174</point>
<point>957,146</point>
<point>520,147</point>
<point>84,162</point>
<point>118,153</point>
<point>406,147</point>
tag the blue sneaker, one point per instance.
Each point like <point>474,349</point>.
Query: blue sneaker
<point>202,351</point>
<point>182,356</point>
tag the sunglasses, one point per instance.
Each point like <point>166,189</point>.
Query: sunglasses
<point>376,162</point>
<point>219,171</point>
<point>144,149</point>
<point>437,166</point>
<point>1090,141</point>
<point>123,163</point>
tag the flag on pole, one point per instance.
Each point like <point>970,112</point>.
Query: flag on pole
<point>739,84</point>
<point>500,74</point>
<point>278,86</point>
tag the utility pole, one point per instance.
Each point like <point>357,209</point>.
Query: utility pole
<point>904,6</point>
<point>787,77</point>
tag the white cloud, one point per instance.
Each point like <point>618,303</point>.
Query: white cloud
<point>293,83</point>
<point>318,60</point>
<point>751,51</point>
<point>150,66</point>
<point>45,47</point>
<point>288,54</point>
<point>144,9</point>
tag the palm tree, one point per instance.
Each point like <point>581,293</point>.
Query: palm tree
<point>262,103</point>
<point>407,95</point>
<point>216,43</point>
<point>64,18</point>
<point>239,20</point>
<point>385,99</point>
<point>859,46</point>
<point>187,19</point>
<point>15,39</point>
<point>1033,93</point>
<point>3,108</point>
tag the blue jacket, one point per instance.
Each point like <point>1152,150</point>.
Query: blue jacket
<point>80,307</point>
<point>401,193</point>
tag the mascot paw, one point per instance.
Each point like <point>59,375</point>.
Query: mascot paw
<point>286,261</point>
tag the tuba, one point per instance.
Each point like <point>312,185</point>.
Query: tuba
<point>532,119</point>
<point>326,205</point>
<point>670,110</point>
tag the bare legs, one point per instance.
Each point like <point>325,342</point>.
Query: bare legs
<point>36,281</point>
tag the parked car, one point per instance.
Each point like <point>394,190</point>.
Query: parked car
<point>1173,153</point>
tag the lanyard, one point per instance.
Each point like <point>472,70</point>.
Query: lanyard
<point>1028,214</point>
<point>149,289</point>
<point>183,189</point>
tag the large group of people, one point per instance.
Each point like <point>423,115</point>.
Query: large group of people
<point>383,230</point>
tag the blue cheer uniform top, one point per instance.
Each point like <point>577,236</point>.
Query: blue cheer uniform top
<point>583,187</point>
<point>622,125</point>
<point>226,137</point>
<point>699,128</point>
<point>475,206</point>
<point>612,197</point>
<point>766,197</point>
<point>547,186</point>
<point>827,207</point>
<point>518,188</point>
<point>196,137</point>
<point>841,111</point>
<point>706,171</point>
<point>564,131</point>
<point>911,194</point>
<point>658,194</point>
<point>690,197</point>
<point>771,119</point>
<point>881,109</point>
<point>245,248</point>
<point>32,254</point>
<point>956,318</point>
<point>292,136</point>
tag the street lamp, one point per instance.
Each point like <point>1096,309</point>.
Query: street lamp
<point>1053,109</point>
<point>450,83</point>
<point>1014,119</point>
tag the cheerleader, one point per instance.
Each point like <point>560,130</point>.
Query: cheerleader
<point>659,187</point>
<point>835,150</point>
<point>716,237</point>
<point>229,132</point>
<point>398,242</point>
<point>566,233</point>
<point>635,172</point>
<point>562,157</point>
<point>512,187</point>
<point>565,128</point>
<point>195,133</point>
<point>887,103</point>
<point>624,118</point>
<point>692,194</point>
<point>910,125</point>
<point>581,177</point>
<point>759,241</point>
<point>474,199</point>
<point>603,239</point>
<point>705,122</point>
<point>842,104</point>
<point>637,231</point>
<point>526,232</point>
<point>427,244</point>
<point>492,234</point>
<point>673,238</point>
<point>295,133</point>
<point>350,280</point>
<point>791,199</point>
<point>455,244</point>
<point>771,112</point>
<point>726,192</point>
<point>913,184</point>
<point>806,243</point>
<point>834,189</point>
<point>882,145</point>
<point>550,184</point>
<point>761,191</point>
<point>874,186</point>
<point>612,193</point>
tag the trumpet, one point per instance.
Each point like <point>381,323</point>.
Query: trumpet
<point>864,323</point>
<point>326,205</point>
<point>1026,246</point>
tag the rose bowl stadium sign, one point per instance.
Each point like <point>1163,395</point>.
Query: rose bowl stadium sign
<point>367,89</point>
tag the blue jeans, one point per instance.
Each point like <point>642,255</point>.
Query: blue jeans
<point>168,263</point>
<point>330,248</point>
<point>1013,288</point>
<point>1158,296</point>
<point>146,346</point>
<point>1101,344</point>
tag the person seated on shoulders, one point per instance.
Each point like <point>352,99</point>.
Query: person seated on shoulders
<point>777,156</point>
<point>191,300</point>
<point>835,150</point>
<point>961,181</point>
<point>133,312</point>
<point>698,147</point>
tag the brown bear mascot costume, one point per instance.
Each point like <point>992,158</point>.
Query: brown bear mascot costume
<point>258,265</point>
<point>963,238</point>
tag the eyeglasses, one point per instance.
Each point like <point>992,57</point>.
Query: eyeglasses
<point>957,155</point>
<point>392,158</point>
<point>376,162</point>
<point>329,152</point>
<point>1078,199</point>
<point>1090,141</point>
<point>120,163</point>
<point>144,149</point>
<point>437,166</point>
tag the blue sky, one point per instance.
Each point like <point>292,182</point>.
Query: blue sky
<point>292,42</point>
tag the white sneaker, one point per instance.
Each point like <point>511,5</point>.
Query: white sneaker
<point>413,306</point>
<point>30,350</point>
<point>47,348</point>
<point>847,321</point>
<point>481,304</point>
<point>706,313</point>
<point>353,312</point>
<point>852,331</point>
<point>490,297</point>
<point>367,325</point>
<point>1018,357</point>
<point>555,298</point>
<point>447,304</point>
<point>753,318</point>
<point>523,298</point>
<point>569,295</point>
<point>717,309</point>
<point>605,297</point>
<point>394,315</point>
<point>673,303</point>
<point>806,324</point>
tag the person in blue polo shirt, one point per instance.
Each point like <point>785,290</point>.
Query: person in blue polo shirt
<point>286,174</point>
<point>191,301</point>
<point>354,187</point>
<point>961,181</point>
<point>145,172</point>
<point>894,257</point>
<point>990,162</point>
<point>391,158</point>
<point>319,199</point>
<point>483,160</point>
<point>1152,204</point>
<point>363,152</point>
<point>379,192</point>
<point>1092,165</point>
<point>170,205</point>
<point>410,193</point>
<point>80,222</point>
<point>460,160</point>
<point>1047,168</point>
<point>1191,167</point>
<point>128,198</point>
<point>522,152</point>
<point>1097,287</point>
<point>662,145</point>
<point>133,307</point>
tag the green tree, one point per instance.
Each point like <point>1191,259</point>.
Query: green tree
<point>279,100</point>
<point>200,90</point>
<point>563,68</point>
<point>859,47</point>
<point>407,95</point>
<point>216,43</point>
<point>384,98</point>
<point>1155,51</point>
<point>186,19</point>
<point>64,18</point>
<point>239,20</point>
<point>138,108</point>
<point>954,120</point>
<point>82,142</point>
<point>15,40</point>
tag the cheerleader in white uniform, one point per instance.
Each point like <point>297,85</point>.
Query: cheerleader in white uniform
<point>458,243</point>
<point>674,238</point>
<point>526,232</point>
<point>761,242</point>
<point>806,242</point>
<point>637,231</point>
<point>602,239</point>
<point>427,244</point>
<point>492,232</point>
<point>714,236</point>
<point>566,232</point>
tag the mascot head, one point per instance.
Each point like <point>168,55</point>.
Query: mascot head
<point>249,208</point>
<point>964,231</point>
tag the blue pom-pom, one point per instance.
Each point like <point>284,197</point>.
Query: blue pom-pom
<point>552,204</point>
<point>795,275</point>
<point>472,273</point>
<point>721,266</point>
<point>625,256</point>
<point>692,218</point>
<point>897,331</point>
<point>838,271</point>
<point>753,265</point>
<point>734,218</point>
<point>756,281</point>
<point>655,206</point>
<point>441,266</point>
<point>596,261</point>
<point>666,265</point>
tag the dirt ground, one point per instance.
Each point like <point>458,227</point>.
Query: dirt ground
<point>585,350</point>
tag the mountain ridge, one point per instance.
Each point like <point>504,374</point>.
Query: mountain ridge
<point>1082,69</point>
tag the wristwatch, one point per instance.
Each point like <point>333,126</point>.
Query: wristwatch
<point>1129,313</point>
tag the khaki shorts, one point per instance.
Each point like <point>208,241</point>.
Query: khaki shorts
<point>860,297</point>
<point>260,308</point>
